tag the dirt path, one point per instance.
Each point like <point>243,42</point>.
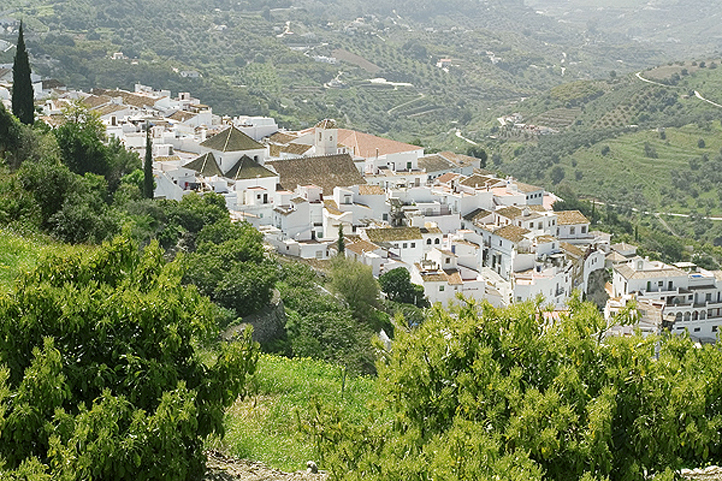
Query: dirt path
<point>226,468</point>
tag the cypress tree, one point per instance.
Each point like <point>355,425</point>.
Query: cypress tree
<point>22,100</point>
<point>148,166</point>
<point>340,243</point>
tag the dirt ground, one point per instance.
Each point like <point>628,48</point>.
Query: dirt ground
<point>225,468</point>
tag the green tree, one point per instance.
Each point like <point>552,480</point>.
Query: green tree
<point>356,284</point>
<point>478,392</point>
<point>340,243</point>
<point>23,95</point>
<point>148,166</point>
<point>398,288</point>
<point>101,377</point>
<point>229,266</point>
<point>80,139</point>
<point>479,153</point>
<point>557,174</point>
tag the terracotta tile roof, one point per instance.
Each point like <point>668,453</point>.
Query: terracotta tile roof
<point>135,100</point>
<point>247,168</point>
<point>231,140</point>
<point>545,239</point>
<point>367,189</point>
<point>292,148</point>
<point>392,234</point>
<point>453,277</point>
<point>206,165</point>
<point>360,246</point>
<point>509,212</point>
<point>527,188</point>
<point>476,215</point>
<point>433,276</point>
<point>537,208</point>
<point>434,163</point>
<point>282,138</point>
<point>109,109</point>
<point>573,250</point>
<point>615,256</point>
<point>479,181</point>
<point>94,101</point>
<point>460,160</point>
<point>447,177</point>
<point>326,172</point>
<point>181,116</point>
<point>366,145</point>
<point>511,232</point>
<point>571,217</point>
<point>629,273</point>
<point>331,206</point>
<point>430,230</point>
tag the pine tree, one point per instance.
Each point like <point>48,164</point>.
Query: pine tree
<point>148,166</point>
<point>22,100</point>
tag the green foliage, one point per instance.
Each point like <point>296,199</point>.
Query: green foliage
<point>479,392</point>
<point>81,140</point>
<point>229,266</point>
<point>23,96</point>
<point>73,208</point>
<point>319,325</point>
<point>398,288</point>
<point>101,366</point>
<point>356,284</point>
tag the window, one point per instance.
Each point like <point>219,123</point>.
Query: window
<point>436,241</point>
<point>408,165</point>
<point>696,329</point>
<point>500,242</point>
<point>539,226</point>
<point>584,229</point>
<point>714,328</point>
<point>428,241</point>
<point>441,288</point>
<point>413,244</point>
<point>447,260</point>
<point>572,230</point>
<point>660,283</point>
<point>385,217</point>
<point>405,245</point>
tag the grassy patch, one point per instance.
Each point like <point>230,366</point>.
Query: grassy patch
<point>264,426</point>
<point>20,253</point>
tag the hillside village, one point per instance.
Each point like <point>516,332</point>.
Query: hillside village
<point>457,228</point>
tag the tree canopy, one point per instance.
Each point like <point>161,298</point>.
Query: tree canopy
<point>483,393</point>
<point>397,285</point>
<point>100,374</point>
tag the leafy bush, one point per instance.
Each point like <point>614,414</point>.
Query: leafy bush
<point>99,373</point>
<point>480,393</point>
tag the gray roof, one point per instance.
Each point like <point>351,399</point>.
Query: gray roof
<point>326,171</point>
<point>205,165</point>
<point>247,168</point>
<point>231,140</point>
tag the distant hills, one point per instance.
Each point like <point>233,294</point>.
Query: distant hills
<point>311,60</point>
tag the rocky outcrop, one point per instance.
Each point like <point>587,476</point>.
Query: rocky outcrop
<point>269,324</point>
